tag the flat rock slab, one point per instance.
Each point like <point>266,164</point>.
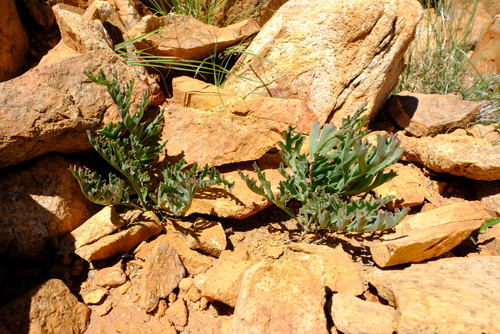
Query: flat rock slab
<point>457,155</point>
<point>333,54</point>
<point>453,295</point>
<point>48,308</point>
<point>284,297</point>
<point>431,114</point>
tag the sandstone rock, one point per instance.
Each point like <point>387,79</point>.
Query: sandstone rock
<point>296,294</point>
<point>456,212</point>
<point>98,10</point>
<point>177,313</point>
<point>332,54</point>
<point>355,316</point>
<point>99,225</point>
<point>208,236</point>
<point>39,11</point>
<point>95,296</point>
<point>128,13</point>
<point>486,132</point>
<point>124,241</point>
<point>456,155</point>
<point>486,56</point>
<point>48,308</point>
<point>193,93</point>
<point>453,295</point>
<point>431,114</point>
<point>489,194</point>
<point>161,274</point>
<point>14,42</point>
<point>410,187</point>
<point>187,38</point>
<point>80,33</point>
<point>111,276</point>
<point>223,281</point>
<point>39,205</point>
<point>424,243</point>
<point>260,11</point>
<point>491,6</point>
<point>243,131</point>
<point>489,242</point>
<point>341,275</point>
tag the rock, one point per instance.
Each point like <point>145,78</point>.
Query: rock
<point>48,308</point>
<point>410,187</point>
<point>208,236</point>
<point>491,6</point>
<point>486,132</point>
<point>99,225</point>
<point>260,11</point>
<point>431,114</point>
<point>355,316</point>
<point>296,294</point>
<point>161,274</point>
<point>187,38</point>
<point>193,93</point>
<point>423,243</point>
<point>177,313</point>
<point>124,241</point>
<point>241,202</point>
<point>489,243</point>
<point>457,155</point>
<point>341,275</point>
<point>111,276</point>
<point>332,54</point>
<point>223,281</point>
<point>489,194</point>
<point>453,295</point>
<point>486,56</point>
<point>98,10</point>
<point>95,296</point>
<point>39,205</point>
<point>103,309</point>
<point>243,131</point>
<point>14,41</point>
<point>80,33</point>
<point>128,13</point>
<point>39,11</point>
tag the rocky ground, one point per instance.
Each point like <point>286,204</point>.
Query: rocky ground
<point>236,263</point>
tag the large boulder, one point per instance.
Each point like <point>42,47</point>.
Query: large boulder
<point>333,54</point>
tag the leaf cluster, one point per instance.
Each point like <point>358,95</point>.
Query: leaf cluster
<point>339,166</point>
<point>131,146</point>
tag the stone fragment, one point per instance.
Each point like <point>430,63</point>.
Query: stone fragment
<point>488,243</point>
<point>281,297</point>
<point>184,37</point>
<point>457,155</point>
<point>95,296</point>
<point>14,41</point>
<point>353,315</point>
<point>99,225</point>
<point>39,205</point>
<point>341,275</point>
<point>177,313</point>
<point>457,212</point>
<point>223,281</point>
<point>161,274</point>
<point>332,54</point>
<point>185,283</point>
<point>111,276</point>
<point>452,295</point>
<point>98,10</point>
<point>207,235</point>
<point>124,241</point>
<point>48,308</point>
<point>410,187</point>
<point>242,131</point>
<point>80,33</point>
<point>103,309</point>
<point>423,244</point>
<point>128,13</point>
<point>431,114</point>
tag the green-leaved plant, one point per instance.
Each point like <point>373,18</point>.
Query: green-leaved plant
<point>131,146</point>
<point>340,165</point>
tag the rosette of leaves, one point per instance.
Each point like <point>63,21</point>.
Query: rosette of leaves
<point>131,146</point>
<point>332,181</point>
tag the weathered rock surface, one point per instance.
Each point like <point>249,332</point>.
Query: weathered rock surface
<point>431,114</point>
<point>223,281</point>
<point>355,316</point>
<point>146,226</point>
<point>489,242</point>
<point>48,308</point>
<point>486,56</point>
<point>208,236</point>
<point>243,131</point>
<point>334,55</point>
<point>453,295</point>
<point>13,40</point>
<point>489,194</point>
<point>99,225</point>
<point>39,205</point>
<point>457,155</point>
<point>193,93</point>
<point>184,37</point>
<point>111,276</point>
<point>161,274</point>
<point>284,297</point>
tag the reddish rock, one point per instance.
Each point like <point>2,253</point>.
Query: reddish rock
<point>177,313</point>
<point>208,236</point>
<point>488,243</point>
<point>486,56</point>
<point>112,276</point>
